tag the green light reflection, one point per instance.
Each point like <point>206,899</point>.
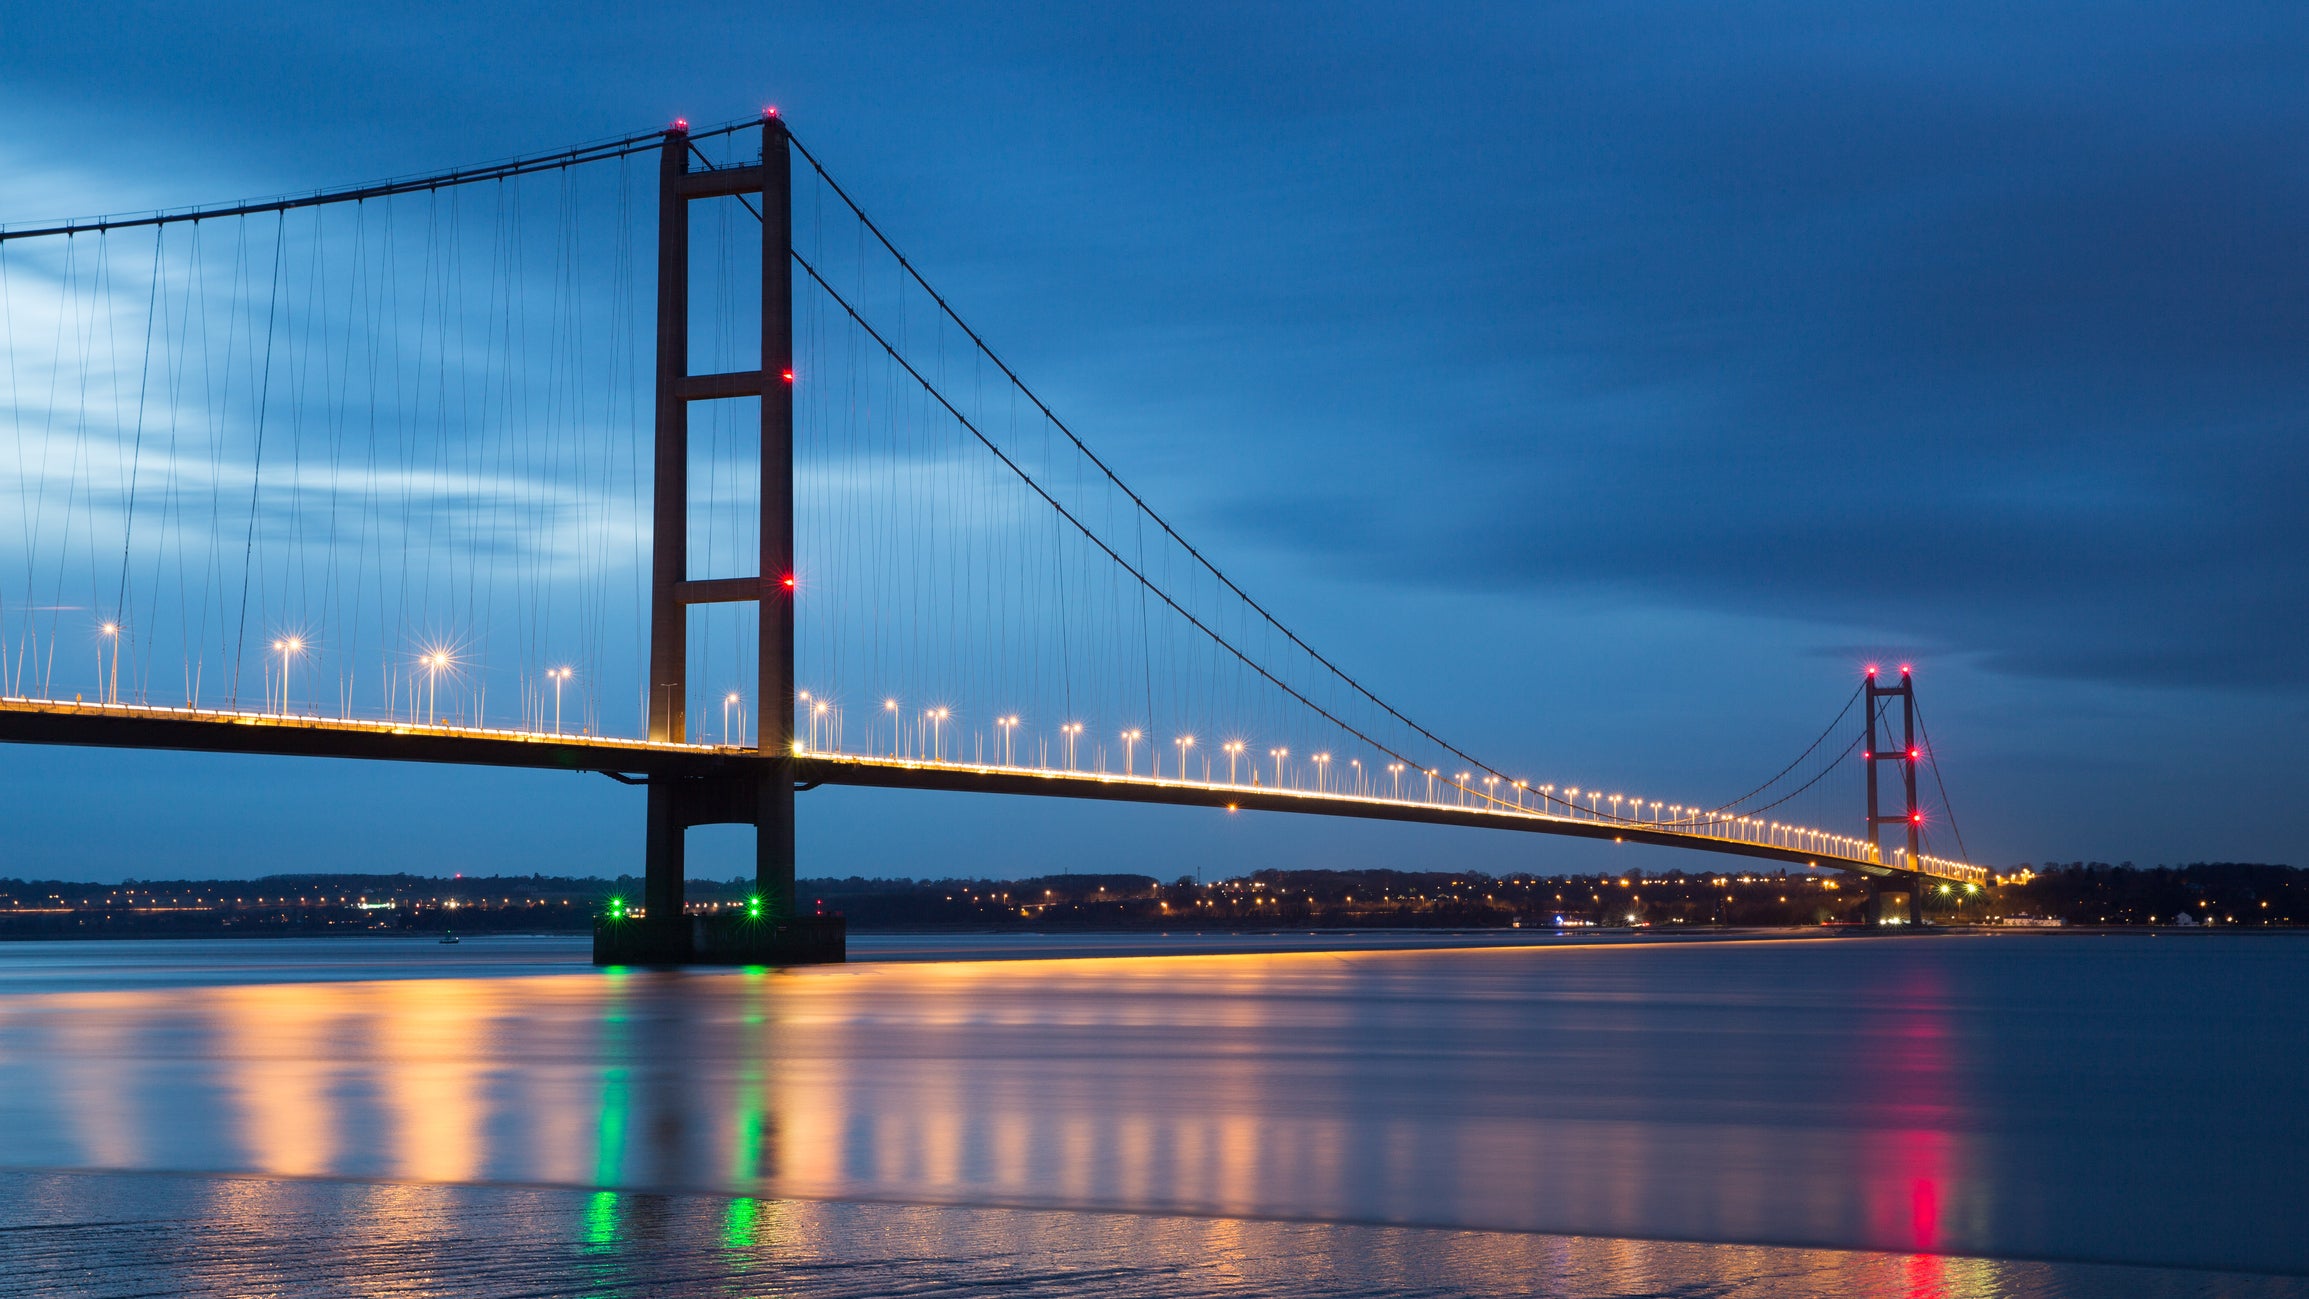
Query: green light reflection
<point>601,1220</point>
<point>738,1222</point>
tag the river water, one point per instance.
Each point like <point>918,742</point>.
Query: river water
<point>1961,1115</point>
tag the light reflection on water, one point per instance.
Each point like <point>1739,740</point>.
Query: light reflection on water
<point>180,1234</point>
<point>2003,1097</point>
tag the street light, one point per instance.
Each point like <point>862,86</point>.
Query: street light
<point>1431,775</point>
<point>1007,724</point>
<point>727,701</point>
<point>435,662</point>
<point>890,706</point>
<point>937,734</point>
<point>1234,750</point>
<point>1070,730</point>
<point>818,713</point>
<point>559,676</point>
<point>1130,739</point>
<point>1278,755</point>
<point>1185,742</point>
<point>288,647</point>
<point>111,631</point>
<point>1395,770</point>
<point>1322,773</point>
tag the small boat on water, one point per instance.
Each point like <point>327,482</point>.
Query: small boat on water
<point>451,938</point>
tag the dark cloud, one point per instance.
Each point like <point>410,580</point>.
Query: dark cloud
<point>1900,323</point>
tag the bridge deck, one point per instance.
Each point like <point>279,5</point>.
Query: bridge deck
<point>140,726</point>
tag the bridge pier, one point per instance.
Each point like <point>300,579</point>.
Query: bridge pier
<point>1891,907</point>
<point>769,929</point>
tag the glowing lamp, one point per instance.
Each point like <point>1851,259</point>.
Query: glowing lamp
<point>787,581</point>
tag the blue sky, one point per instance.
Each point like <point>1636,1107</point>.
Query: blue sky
<point>1604,383</point>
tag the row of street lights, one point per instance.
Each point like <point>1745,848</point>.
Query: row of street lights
<point>815,712</point>
<point>815,715</point>
<point>820,718</point>
<point>289,648</point>
<point>1465,788</point>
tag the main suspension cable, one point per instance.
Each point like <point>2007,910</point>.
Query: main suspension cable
<point>523,165</point>
<point>1824,734</point>
<point>1145,583</point>
<point>1148,511</point>
<point>1933,758</point>
<point>1112,477</point>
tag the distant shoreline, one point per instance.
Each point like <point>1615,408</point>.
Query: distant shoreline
<point>1359,938</point>
<point>2075,896</point>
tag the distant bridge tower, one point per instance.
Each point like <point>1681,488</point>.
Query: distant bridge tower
<point>1906,755</point>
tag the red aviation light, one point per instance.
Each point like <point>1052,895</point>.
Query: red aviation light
<point>789,376</point>
<point>1916,818</point>
<point>1906,669</point>
<point>770,111</point>
<point>681,123</point>
<point>787,581</point>
<point>1871,669</point>
<point>1912,754</point>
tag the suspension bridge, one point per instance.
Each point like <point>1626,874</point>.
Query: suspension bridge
<point>657,458</point>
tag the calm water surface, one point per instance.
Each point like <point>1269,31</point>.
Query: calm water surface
<point>1951,1115</point>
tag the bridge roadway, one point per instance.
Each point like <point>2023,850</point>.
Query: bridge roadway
<point>206,730</point>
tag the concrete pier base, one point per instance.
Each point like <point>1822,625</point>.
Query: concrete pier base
<point>1892,907</point>
<point>721,939</point>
